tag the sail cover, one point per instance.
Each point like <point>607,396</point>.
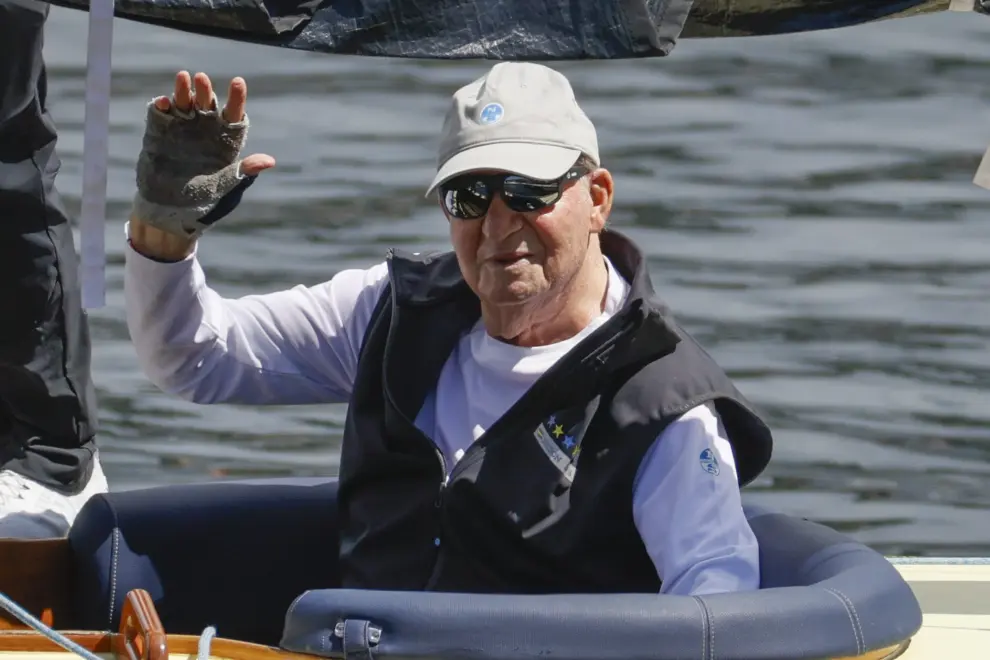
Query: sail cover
<point>508,29</point>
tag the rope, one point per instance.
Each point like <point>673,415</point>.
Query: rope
<point>25,617</point>
<point>204,643</point>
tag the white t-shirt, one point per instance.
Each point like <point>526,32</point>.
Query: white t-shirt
<point>301,346</point>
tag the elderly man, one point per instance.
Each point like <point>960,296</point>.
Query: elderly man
<point>524,414</point>
<point>48,459</point>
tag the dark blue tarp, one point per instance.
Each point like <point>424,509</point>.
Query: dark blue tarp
<point>507,29</point>
<point>727,18</point>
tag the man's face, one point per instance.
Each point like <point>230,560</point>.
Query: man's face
<point>512,257</point>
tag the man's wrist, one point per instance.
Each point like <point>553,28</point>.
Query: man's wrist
<point>156,244</point>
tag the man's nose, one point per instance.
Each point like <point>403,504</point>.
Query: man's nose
<point>500,221</point>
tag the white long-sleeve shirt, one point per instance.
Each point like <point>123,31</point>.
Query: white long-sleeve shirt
<point>301,346</point>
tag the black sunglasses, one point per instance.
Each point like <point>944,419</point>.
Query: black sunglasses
<point>468,196</point>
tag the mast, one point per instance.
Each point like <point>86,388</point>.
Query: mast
<point>96,134</point>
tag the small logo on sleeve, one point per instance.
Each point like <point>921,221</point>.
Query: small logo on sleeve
<point>709,463</point>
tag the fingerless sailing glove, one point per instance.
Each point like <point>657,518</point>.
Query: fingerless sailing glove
<point>188,171</point>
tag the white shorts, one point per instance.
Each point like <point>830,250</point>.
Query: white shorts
<point>29,510</point>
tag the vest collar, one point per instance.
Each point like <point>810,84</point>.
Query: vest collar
<point>643,328</point>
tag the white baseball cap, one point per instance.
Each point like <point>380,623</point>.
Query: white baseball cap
<point>521,118</point>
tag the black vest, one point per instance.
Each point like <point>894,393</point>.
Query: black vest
<point>542,502</point>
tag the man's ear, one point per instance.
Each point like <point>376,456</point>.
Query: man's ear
<point>601,188</point>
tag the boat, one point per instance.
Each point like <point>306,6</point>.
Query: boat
<point>246,570</point>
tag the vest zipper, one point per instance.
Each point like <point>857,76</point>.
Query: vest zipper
<point>443,484</point>
<point>438,502</point>
<point>438,541</point>
<point>391,400</point>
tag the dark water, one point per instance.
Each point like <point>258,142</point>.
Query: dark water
<point>806,204</point>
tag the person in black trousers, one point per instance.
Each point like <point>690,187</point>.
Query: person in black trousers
<point>49,465</point>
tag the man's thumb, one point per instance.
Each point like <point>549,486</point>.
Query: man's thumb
<point>256,163</point>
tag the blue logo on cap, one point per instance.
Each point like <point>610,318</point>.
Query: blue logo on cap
<point>491,113</point>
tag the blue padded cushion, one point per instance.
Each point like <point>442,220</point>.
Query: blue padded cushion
<point>229,554</point>
<point>823,596</point>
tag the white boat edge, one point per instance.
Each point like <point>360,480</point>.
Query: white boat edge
<point>954,593</point>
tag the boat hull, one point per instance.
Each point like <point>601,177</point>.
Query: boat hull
<point>241,555</point>
<point>954,594</point>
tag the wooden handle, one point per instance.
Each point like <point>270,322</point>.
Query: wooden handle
<point>142,636</point>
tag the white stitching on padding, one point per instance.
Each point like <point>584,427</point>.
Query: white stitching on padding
<point>711,628</point>
<point>115,554</point>
<point>853,620</point>
<point>704,625</point>
<point>859,625</point>
<point>292,607</point>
